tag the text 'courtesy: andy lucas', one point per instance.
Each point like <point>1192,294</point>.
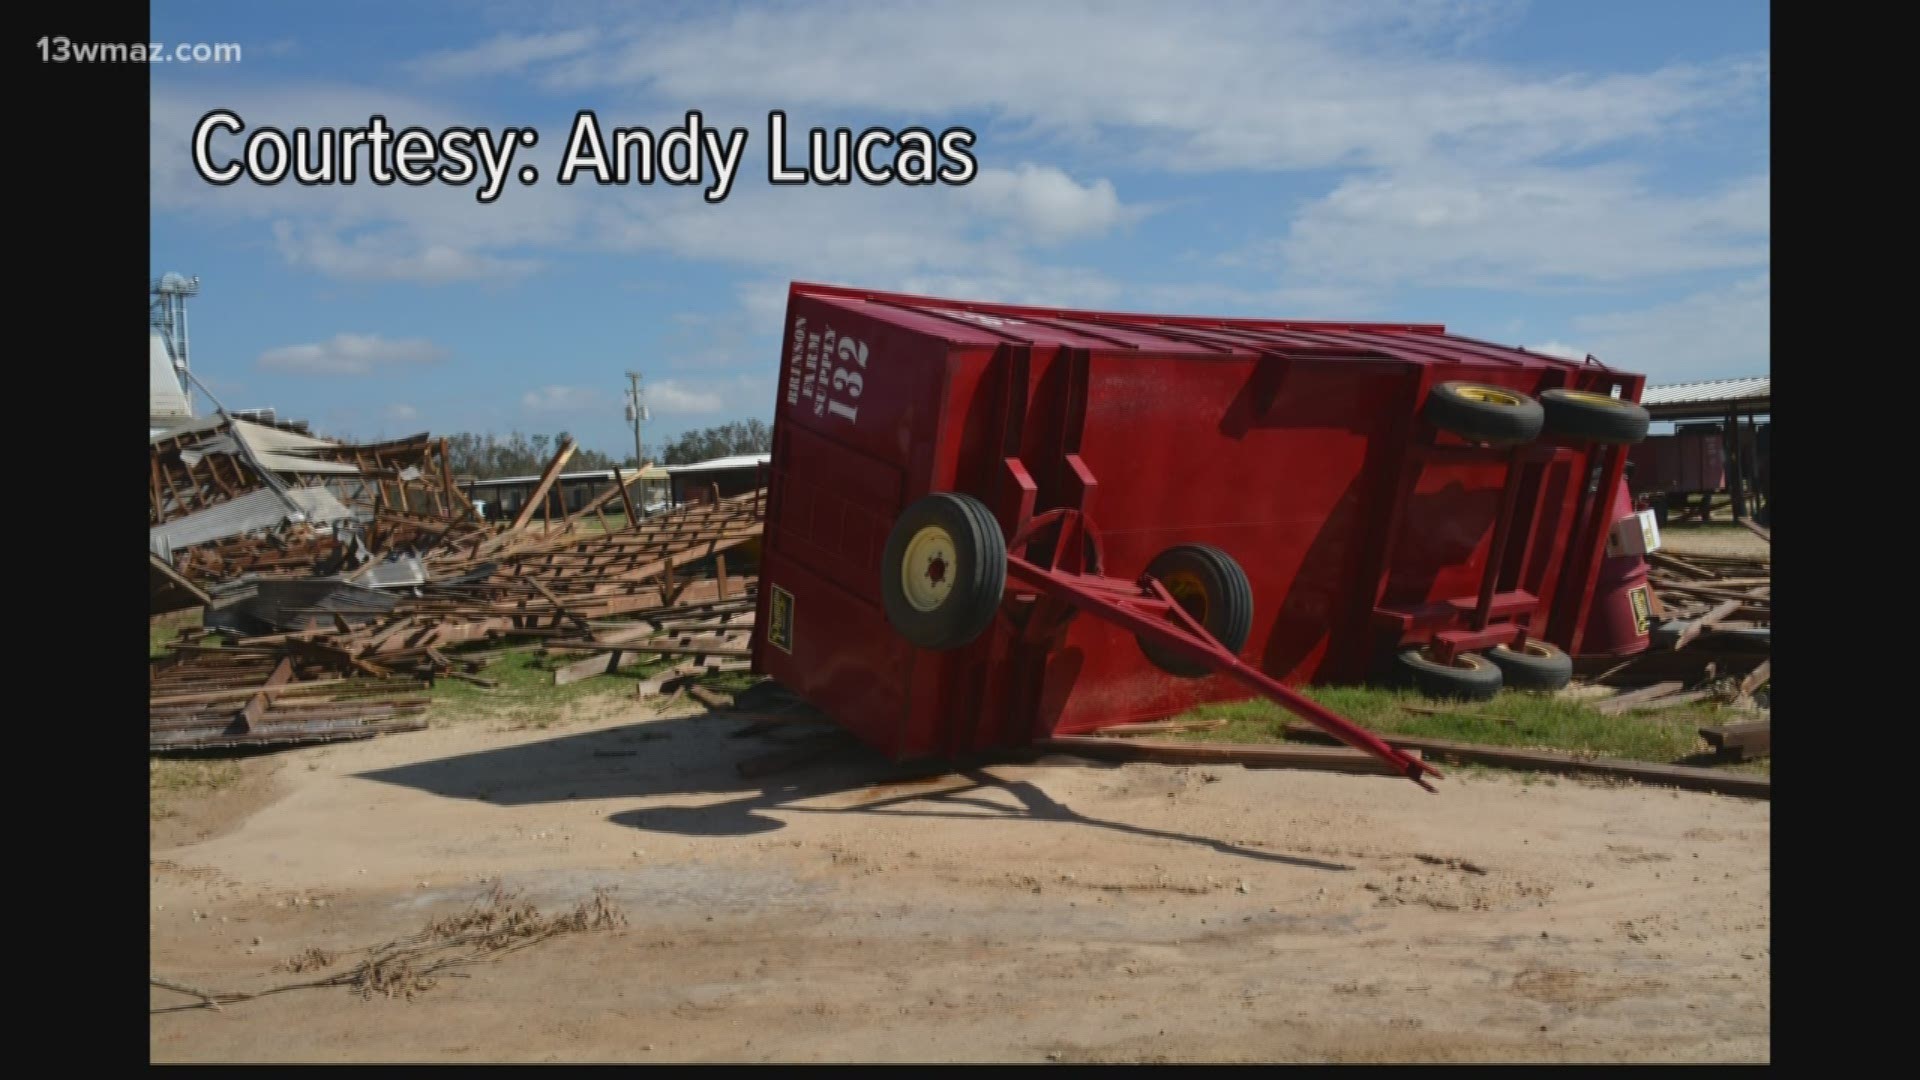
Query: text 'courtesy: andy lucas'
<point>689,154</point>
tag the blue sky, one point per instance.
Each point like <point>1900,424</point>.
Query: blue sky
<point>1580,177</point>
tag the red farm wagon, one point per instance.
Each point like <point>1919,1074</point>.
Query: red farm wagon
<point>990,524</point>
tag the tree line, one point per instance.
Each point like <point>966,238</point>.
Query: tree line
<point>484,456</point>
<point>734,437</point>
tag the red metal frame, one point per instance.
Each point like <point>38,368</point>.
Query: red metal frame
<point>1467,623</point>
<point>1145,608</point>
<point>1299,448</point>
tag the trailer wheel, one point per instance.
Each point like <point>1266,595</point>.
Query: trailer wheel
<point>944,571</point>
<point>1580,414</point>
<point>1484,414</point>
<point>1470,678</point>
<point>1537,665</point>
<point>1211,587</point>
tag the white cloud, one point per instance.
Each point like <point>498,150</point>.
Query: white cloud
<point>431,234</point>
<point>1521,229</point>
<point>401,411</point>
<point>502,55</point>
<point>438,234</point>
<point>1560,349</point>
<point>564,399</point>
<point>1713,334</point>
<point>390,255</point>
<point>351,354</point>
<point>1044,200</point>
<point>670,395</point>
<point>1455,174</point>
<point>1220,85</point>
<point>1461,178</point>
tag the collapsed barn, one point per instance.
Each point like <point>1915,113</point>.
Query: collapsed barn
<point>334,579</point>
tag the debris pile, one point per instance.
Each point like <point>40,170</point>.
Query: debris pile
<point>335,580</point>
<point>1711,640</point>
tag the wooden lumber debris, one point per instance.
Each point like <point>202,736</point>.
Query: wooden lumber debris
<point>660,587</point>
<point>1720,781</point>
<point>1275,756</point>
<point>1747,738</point>
<point>1160,727</point>
<point>1712,635</point>
<point>1621,702</point>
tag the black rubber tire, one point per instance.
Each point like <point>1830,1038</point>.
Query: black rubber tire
<point>980,572</point>
<point>1481,413</point>
<point>1224,596</point>
<point>1477,680</point>
<point>1541,666</point>
<point>1595,418</point>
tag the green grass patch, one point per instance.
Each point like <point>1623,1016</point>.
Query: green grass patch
<point>173,778</point>
<point>1532,721</point>
<point>526,697</point>
<point>616,520</point>
<point>167,627</point>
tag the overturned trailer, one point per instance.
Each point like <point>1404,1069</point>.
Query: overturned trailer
<point>990,524</point>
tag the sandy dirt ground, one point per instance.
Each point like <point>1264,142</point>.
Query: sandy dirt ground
<point>1047,911</point>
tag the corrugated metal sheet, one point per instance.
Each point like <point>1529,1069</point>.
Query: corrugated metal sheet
<point>294,463</point>
<point>590,474</point>
<point>281,451</point>
<point>399,572</point>
<point>294,603</point>
<point>255,510</point>
<point>1709,392</point>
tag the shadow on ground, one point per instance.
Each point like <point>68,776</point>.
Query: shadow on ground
<point>701,755</point>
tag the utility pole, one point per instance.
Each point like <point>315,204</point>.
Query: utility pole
<point>636,412</point>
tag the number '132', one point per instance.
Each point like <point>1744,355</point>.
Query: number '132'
<point>847,378</point>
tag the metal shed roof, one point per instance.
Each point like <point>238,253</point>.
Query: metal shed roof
<point>654,472</point>
<point>738,461</point>
<point>1709,399</point>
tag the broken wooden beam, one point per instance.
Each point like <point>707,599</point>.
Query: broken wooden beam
<point>256,706</point>
<point>1748,737</point>
<point>537,498</point>
<point>1718,781</point>
<point>1695,627</point>
<point>1627,699</point>
<point>1157,727</point>
<point>1275,756</point>
<point>710,698</point>
<point>1668,701</point>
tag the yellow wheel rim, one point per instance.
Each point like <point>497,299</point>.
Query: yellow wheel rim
<point>1489,395</point>
<point>1588,397</point>
<point>1533,647</point>
<point>1188,592</point>
<point>928,571</point>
